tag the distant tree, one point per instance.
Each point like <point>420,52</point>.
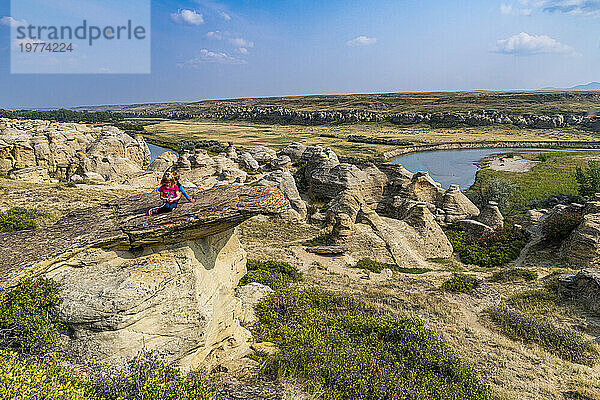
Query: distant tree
<point>505,193</point>
<point>588,179</point>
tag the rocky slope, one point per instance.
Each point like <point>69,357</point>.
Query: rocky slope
<point>36,150</point>
<point>131,282</point>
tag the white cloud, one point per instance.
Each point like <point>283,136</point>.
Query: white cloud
<point>241,42</point>
<point>243,50</point>
<point>361,41</point>
<point>508,9</point>
<point>13,23</point>
<point>216,35</point>
<point>589,8</point>
<point>225,16</point>
<point>524,44</point>
<point>211,57</point>
<point>189,17</point>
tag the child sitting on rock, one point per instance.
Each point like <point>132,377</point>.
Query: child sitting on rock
<point>169,193</point>
<point>181,188</point>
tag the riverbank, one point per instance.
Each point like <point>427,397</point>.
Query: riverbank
<point>492,144</point>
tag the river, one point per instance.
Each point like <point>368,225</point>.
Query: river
<point>455,166</point>
<point>156,151</point>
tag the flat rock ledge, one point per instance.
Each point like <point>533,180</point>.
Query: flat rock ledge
<point>124,225</point>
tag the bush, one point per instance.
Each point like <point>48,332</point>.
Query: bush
<point>147,376</point>
<point>377,267</point>
<point>28,320</point>
<point>558,227</point>
<point>461,283</point>
<point>588,180</point>
<point>563,342</point>
<point>25,378</point>
<point>18,219</point>
<point>349,351</point>
<point>489,250</point>
<point>514,275</point>
<point>506,194</point>
<point>275,274</point>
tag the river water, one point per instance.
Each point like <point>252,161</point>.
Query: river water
<point>455,166</point>
<point>156,151</point>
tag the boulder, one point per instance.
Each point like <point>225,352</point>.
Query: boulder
<point>248,162</point>
<point>250,295</point>
<point>163,162</point>
<point>280,163</point>
<point>583,287</point>
<point>293,150</point>
<point>262,154</point>
<point>93,177</point>
<point>287,184</point>
<point>582,248</point>
<point>31,174</point>
<point>457,206</point>
<point>132,282</point>
<point>491,216</point>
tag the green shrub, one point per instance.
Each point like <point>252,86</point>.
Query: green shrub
<point>489,250</point>
<point>147,376</point>
<point>25,378</point>
<point>377,267</point>
<point>588,180</point>
<point>17,219</point>
<point>543,157</point>
<point>558,227</point>
<point>275,274</point>
<point>350,351</point>
<point>502,191</point>
<point>28,320</point>
<point>563,342</point>
<point>461,283</point>
<point>514,275</point>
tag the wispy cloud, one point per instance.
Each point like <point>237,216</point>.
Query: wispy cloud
<point>242,44</point>
<point>224,15</point>
<point>211,57</point>
<point>189,17</point>
<point>361,41</point>
<point>509,9</point>
<point>589,8</point>
<point>525,44</point>
<point>13,23</point>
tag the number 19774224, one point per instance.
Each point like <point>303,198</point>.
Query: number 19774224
<point>50,47</point>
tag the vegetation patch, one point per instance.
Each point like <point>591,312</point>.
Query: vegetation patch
<point>558,227</point>
<point>461,283</point>
<point>18,219</point>
<point>349,351</point>
<point>28,319</point>
<point>488,250</point>
<point>275,274</point>
<point>377,267</point>
<point>588,179</point>
<point>514,275</point>
<point>563,342</point>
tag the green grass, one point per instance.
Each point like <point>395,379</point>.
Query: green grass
<point>18,219</point>
<point>461,283</point>
<point>275,274</point>
<point>346,350</point>
<point>489,250</point>
<point>563,342</point>
<point>377,267</point>
<point>552,176</point>
<point>514,275</point>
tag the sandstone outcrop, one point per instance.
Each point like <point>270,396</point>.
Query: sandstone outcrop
<point>131,282</point>
<point>491,216</point>
<point>284,181</point>
<point>66,149</point>
<point>584,287</point>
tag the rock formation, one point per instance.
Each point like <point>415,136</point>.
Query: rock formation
<point>60,150</point>
<point>132,282</point>
<point>583,287</point>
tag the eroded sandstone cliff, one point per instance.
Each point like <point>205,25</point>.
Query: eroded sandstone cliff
<point>131,282</point>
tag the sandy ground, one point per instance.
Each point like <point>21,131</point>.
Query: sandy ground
<point>514,164</point>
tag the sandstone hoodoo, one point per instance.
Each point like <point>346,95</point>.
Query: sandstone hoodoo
<point>131,282</point>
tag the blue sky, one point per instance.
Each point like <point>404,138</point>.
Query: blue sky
<point>203,49</point>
